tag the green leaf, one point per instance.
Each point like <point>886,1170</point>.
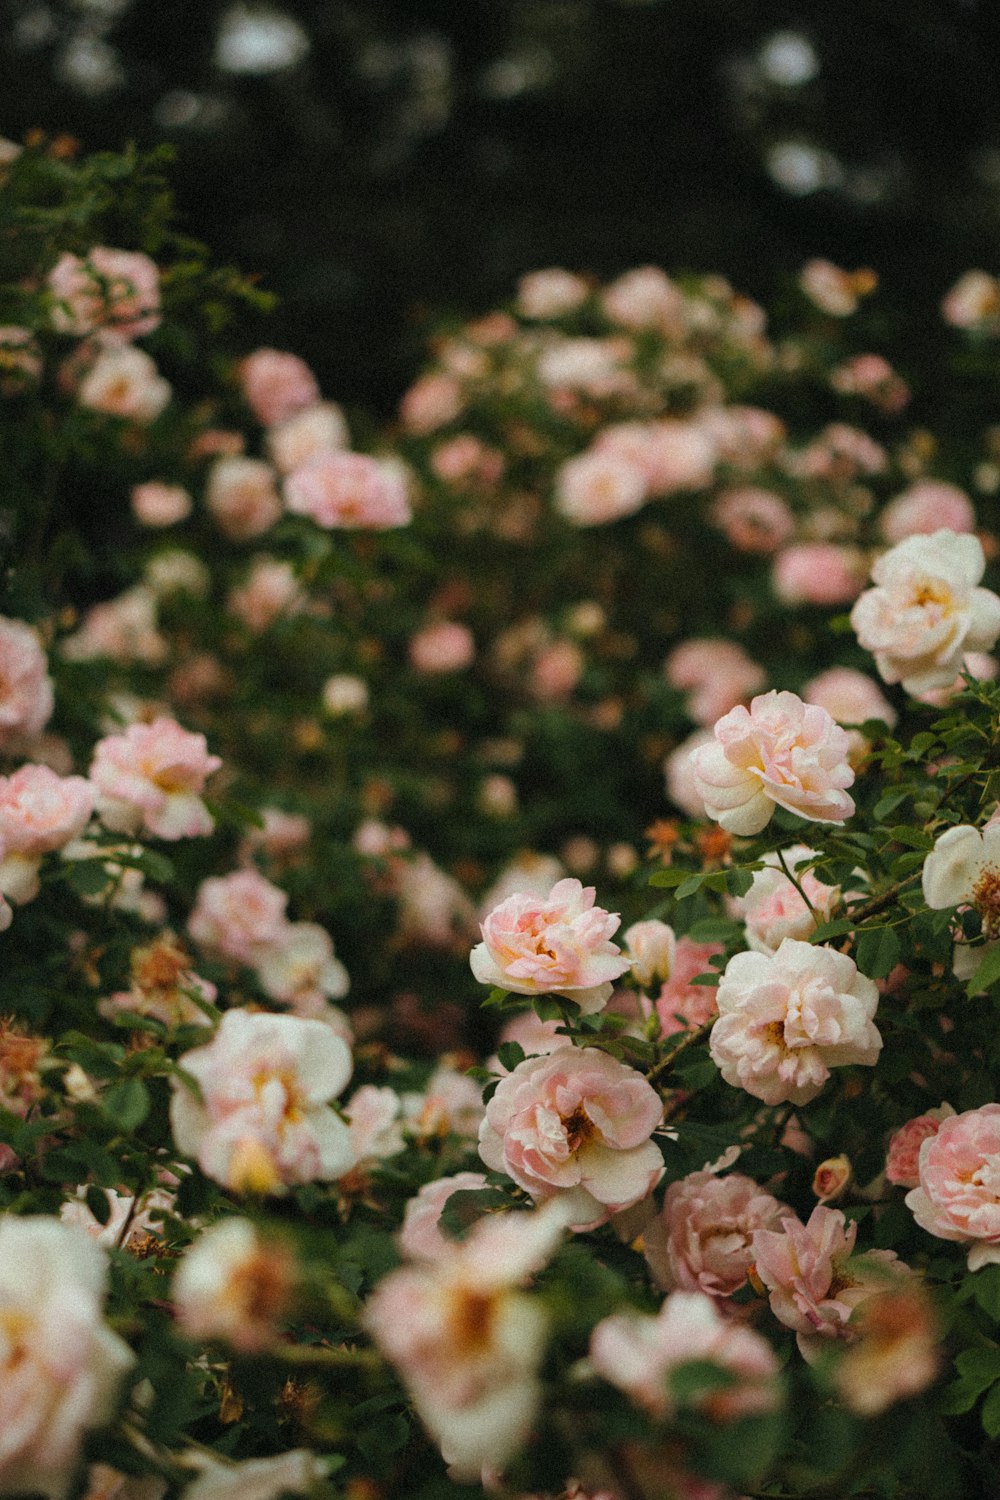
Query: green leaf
<point>986,1290</point>
<point>987,973</point>
<point>715,930</point>
<point>689,886</point>
<point>510,1054</point>
<point>890,801</point>
<point>98,1203</point>
<point>127,1103</point>
<point>827,930</point>
<point>669,877</point>
<point>991,1413</point>
<point>878,951</point>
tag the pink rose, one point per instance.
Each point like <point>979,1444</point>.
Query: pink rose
<point>681,1005</point>
<point>670,454</point>
<point>276,385</point>
<point>464,459</point>
<point>60,1364</point>
<point>421,1237</point>
<point>559,943</point>
<point>124,629</point>
<point>716,674</point>
<point>159,504</point>
<point>746,436</point>
<point>125,383</point>
<point>556,670</point>
<point>786,1019</point>
<point>959,1193</point>
<point>753,520</point>
<point>840,454</point>
<point>849,697</point>
<point>113,293</point>
<point>444,646</point>
<point>431,402</point>
<point>902,1166</point>
<point>467,1342</point>
<point>779,752</point>
<point>638,1353</point>
<point>871,376</point>
<point>679,774</point>
<point>39,812</point>
<point>701,1238</point>
<point>234,1285</point>
<point>596,488</point>
<point>550,293</point>
<point>817,573</point>
<point>926,507</point>
<point>263,1121</point>
<point>297,968</point>
<point>238,916</point>
<point>814,1279</point>
<point>349,490</point>
<point>318,429</point>
<point>270,592</point>
<point>645,298</point>
<point>26,698</point>
<point>576,1122</point>
<point>774,908</point>
<point>834,291</point>
<point>151,777</point>
<point>972,301</point>
<point>242,497</point>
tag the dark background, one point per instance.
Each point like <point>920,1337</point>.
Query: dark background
<point>380,162</point>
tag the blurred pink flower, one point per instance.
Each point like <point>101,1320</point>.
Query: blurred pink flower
<point>680,1004</point>
<point>26,697</point>
<point>701,1238</point>
<point>125,383</point>
<point>902,1166</point>
<point>238,915</point>
<point>926,507</point>
<point>818,573</point>
<point>159,504</point>
<point>421,1237</point>
<point>753,520</point>
<point>443,646</point>
<point>349,490</point>
<point>715,674</point>
<point>151,778</point>
<point>276,385</point>
<point>242,497</point>
<point>113,293</point>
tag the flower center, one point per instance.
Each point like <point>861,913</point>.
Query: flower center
<point>986,900</point>
<point>579,1128</point>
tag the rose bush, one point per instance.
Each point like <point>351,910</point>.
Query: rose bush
<point>307,749</point>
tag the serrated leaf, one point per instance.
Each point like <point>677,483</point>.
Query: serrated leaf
<point>878,951</point>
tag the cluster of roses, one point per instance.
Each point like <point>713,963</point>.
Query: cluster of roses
<point>650,1172</point>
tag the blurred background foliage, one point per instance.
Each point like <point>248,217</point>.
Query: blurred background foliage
<point>378,161</point>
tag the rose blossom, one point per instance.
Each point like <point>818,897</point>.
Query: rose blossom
<point>269,592</point>
<point>681,1005</point>
<point>575,1122</point>
<point>157,504</point>
<point>926,611</point>
<point>421,1236</point>
<point>650,947</point>
<point>297,1472</point>
<point>463,459</point>
<point>595,488</point>
<point>60,1365</point>
<point>963,869</point>
<point>716,674</point>
<point>263,1121</point>
<point>902,1165</point>
<point>679,774</point>
<point>645,298</point>
<point>298,969</point>
<point>39,812</point>
<point>151,777</point>
<point>432,401</point>
<point>375,1119</point>
<point>817,573</point>
<point>318,429</point>
<point>779,752</point>
<point>872,377</point>
<point>556,670</point>
<point>638,1354</point>
<point>163,985</point>
<point>443,646</point>
<point>559,943</point>
<point>958,1197</point>
<point>550,293</point>
<point>786,1019</point>
<point>113,293</point>
<point>124,629</point>
<point>238,916</point>
<point>972,301</point>
<point>349,490</point>
<point>814,1279</point>
<point>276,385</point>
<point>894,1350</point>
<point>773,908</point>
<point>926,507</point>
<point>242,497</point>
<point>26,697</point>
<point>701,1238</point>
<point>234,1286</point>
<point>125,383</point>
<point>753,519</point>
<point>466,1341</point>
<point>849,697</point>
<point>833,290</point>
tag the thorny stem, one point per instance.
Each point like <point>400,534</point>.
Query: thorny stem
<point>666,1063</point>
